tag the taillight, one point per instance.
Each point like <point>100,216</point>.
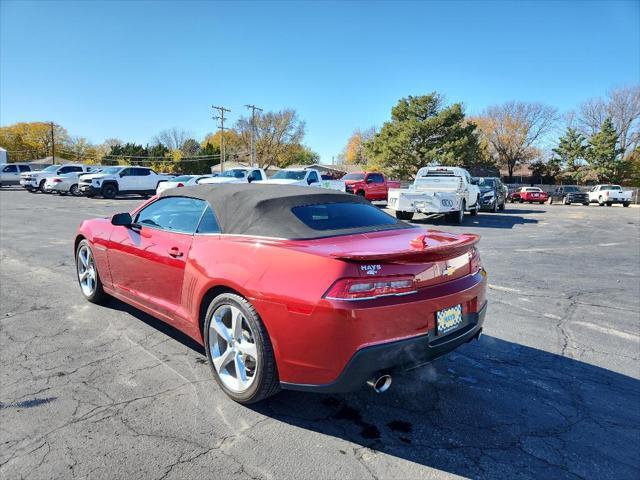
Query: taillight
<point>474,260</point>
<point>57,180</point>
<point>180,185</point>
<point>364,289</point>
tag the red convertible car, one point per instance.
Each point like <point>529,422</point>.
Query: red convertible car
<point>288,287</point>
<point>528,194</point>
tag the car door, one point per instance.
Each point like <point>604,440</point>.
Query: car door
<point>376,187</point>
<point>147,260</point>
<point>127,180</point>
<point>145,180</point>
<point>10,174</point>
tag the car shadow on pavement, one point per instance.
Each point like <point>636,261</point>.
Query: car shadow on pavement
<point>492,409</point>
<point>159,325</point>
<point>482,220</point>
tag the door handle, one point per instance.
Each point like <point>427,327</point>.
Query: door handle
<point>175,252</point>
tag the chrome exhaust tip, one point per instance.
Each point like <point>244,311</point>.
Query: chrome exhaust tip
<point>380,384</point>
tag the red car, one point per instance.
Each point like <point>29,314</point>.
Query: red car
<point>370,185</point>
<point>528,194</point>
<point>288,287</point>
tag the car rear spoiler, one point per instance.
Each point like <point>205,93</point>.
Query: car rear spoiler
<point>423,248</point>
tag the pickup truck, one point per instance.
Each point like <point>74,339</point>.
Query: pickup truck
<point>370,185</point>
<point>307,177</point>
<point>610,194</point>
<point>438,189</point>
<point>34,181</point>
<point>112,181</point>
<point>237,175</point>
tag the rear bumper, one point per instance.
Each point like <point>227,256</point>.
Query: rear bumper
<point>397,355</point>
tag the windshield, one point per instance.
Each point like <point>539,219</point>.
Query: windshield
<point>183,178</point>
<point>353,176</point>
<point>571,189</point>
<point>610,187</point>
<point>485,182</point>
<point>234,173</point>
<point>111,170</point>
<point>533,189</point>
<point>290,174</point>
<point>51,168</point>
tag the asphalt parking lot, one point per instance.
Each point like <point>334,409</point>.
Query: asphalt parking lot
<point>552,389</point>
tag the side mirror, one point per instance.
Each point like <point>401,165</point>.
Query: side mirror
<point>122,219</point>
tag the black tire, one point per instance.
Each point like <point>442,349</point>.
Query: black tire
<point>109,191</point>
<point>625,204</point>
<point>266,382</point>
<point>74,190</point>
<point>98,296</point>
<point>542,203</point>
<point>601,201</point>
<point>458,217</point>
<point>476,208</point>
<point>609,204</point>
<point>550,200</point>
<point>495,207</point>
<point>586,204</point>
<point>404,215</point>
<point>521,200</point>
<point>41,186</point>
<point>565,201</point>
<point>502,206</point>
<point>361,193</point>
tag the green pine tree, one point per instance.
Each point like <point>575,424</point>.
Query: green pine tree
<point>571,149</point>
<point>604,156</point>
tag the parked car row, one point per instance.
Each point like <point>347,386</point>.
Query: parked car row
<point>569,194</point>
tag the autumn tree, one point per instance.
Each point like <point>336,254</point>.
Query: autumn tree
<point>275,134</point>
<point>513,131</point>
<point>233,145</point>
<point>354,151</point>
<point>31,140</point>
<point>190,147</point>
<point>422,131</point>
<point>172,138</point>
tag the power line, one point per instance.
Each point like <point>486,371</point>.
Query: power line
<point>221,118</point>
<point>253,109</point>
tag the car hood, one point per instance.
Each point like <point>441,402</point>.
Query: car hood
<point>95,176</point>
<point>281,181</point>
<point>223,180</point>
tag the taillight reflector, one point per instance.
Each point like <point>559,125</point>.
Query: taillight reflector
<point>364,288</point>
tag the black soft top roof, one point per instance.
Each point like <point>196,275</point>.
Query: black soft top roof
<point>265,210</point>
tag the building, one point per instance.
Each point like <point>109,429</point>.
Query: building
<point>3,155</point>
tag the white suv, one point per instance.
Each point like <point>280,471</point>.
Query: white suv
<point>113,181</point>
<point>34,181</point>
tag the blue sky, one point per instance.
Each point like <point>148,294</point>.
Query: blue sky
<point>131,69</point>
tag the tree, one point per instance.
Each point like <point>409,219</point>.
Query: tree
<point>190,147</point>
<point>297,154</point>
<point>275,133</point>
<point>233,145</point>
<point>31,140</point>
<point>514,129</point>
<point>354,151</point>
<point>622,108</point>
<point>571,149</point>
<point>423,131</point>
<point>172,138</point>
<point>603,154</point>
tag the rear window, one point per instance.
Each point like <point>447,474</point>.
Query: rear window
<point>339,216</point>
<point>353,176</point>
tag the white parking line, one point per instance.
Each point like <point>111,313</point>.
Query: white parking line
<point>609,331</point>
<point>504,289</point>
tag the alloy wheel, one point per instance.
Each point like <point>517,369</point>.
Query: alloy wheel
<point>86,271</point>
<point>233,349</point>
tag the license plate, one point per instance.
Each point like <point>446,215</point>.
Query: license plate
<point>448,319</point>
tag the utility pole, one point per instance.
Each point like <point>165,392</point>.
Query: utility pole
<point>53,147</point>
<point>253,109</point>
<point>221,118</point>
